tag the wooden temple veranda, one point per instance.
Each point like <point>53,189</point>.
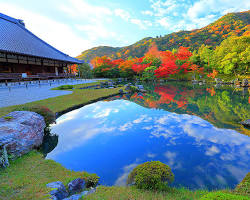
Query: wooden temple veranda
<point>24,56</point>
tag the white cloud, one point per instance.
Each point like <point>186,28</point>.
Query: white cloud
<point>57,34</point>
<point>147,12</point>
<point>142,24</point>
<point>161,8</point>
<point>123,14</point>
<point>83,10</point>
<point>165,22</point>
<point>203,12</point>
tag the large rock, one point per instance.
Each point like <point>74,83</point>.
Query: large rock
<point>76,185</point>
<point>21,131</point>
<point>58,191</point>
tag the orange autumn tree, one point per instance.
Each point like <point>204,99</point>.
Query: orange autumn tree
<point>73,69</point>
<point>153,56</point>
<point>213,74</point>
<point>154,63</point>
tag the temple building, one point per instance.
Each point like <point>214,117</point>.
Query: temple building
<point>25,56</point>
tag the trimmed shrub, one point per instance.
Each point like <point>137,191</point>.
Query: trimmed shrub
<point>48,115</point>
<point>91,181</point>
<point>151,175</point>
<point>223,196</point>
<point>65,87</point>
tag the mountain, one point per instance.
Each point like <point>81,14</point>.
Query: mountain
<point>212,35</point>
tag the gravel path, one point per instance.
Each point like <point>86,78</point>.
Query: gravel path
<point>20,94</point>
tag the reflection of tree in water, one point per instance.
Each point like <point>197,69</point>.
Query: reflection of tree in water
<point>50,141</point>
<point>224,107</point>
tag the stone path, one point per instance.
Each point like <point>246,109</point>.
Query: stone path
<point>20,94</point>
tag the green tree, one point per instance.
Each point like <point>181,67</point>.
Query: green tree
<point>85,71</point>
<point>206,57</point>
<point>232,56</point>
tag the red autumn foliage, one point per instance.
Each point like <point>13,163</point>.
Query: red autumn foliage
<point>183,53</point>
<point>213,74</point>
<point>139,68</point>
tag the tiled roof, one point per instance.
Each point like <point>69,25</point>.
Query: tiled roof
<point>15,38</point>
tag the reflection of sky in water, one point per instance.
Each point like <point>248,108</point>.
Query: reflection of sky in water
<point>111,138</point>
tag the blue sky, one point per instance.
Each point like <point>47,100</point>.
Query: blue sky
<point>73,26</point>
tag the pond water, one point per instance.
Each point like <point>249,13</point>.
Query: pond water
<point>193,129</point>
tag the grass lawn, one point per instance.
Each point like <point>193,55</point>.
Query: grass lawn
<point>26,178</point>
<point>126,193</point>
<point>61,103</point>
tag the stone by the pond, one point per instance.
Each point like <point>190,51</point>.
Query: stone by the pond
<point>77,196</point>
<point>140,86</point>
<point>121,91</point>
<point>21,131</point>
<point>76,185</point>
<point>246,123</point>
<point>91,191</point>
<point>127,87</point>
<point>217,80</point>
<point>59,191</point>
<point>245,82</point>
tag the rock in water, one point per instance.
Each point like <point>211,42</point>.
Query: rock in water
<point>21,131</point>
<point>245,82</point>
<point>121,91</point>
<point>246,123</point>
<point>76,185</point>
<point>59,191</point>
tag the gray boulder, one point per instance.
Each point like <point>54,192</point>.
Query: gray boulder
<point>127,87</point>
<point>218,80</point>
<point>245,82</point>
<point>76,185</point>
<point>140,87</point>
<point>21,131</point>
<point>246,123</point>
<point>59,191</point>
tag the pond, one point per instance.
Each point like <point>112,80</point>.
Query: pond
<point>193,129</point>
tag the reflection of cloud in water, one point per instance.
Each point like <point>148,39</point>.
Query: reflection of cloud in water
<point>151,155</point>
<point>212,151</point>
<point>105,112</point>
<point>67,117</point>
<point>175,139</point>
<point>126,126</point>
<point>121,180</point>
<point>142,118</point>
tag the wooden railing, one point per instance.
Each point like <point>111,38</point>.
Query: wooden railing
<point>19,77</point>
<point>10,76</point>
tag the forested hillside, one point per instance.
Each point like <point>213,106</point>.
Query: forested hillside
<point>232,24</point>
